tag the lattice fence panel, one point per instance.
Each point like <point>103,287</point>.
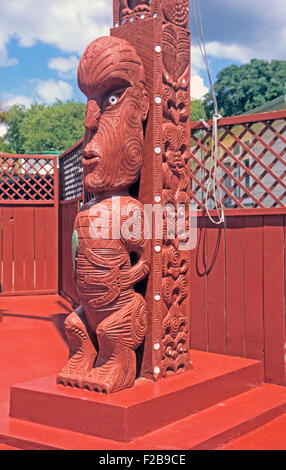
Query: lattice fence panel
<point>27,178</point>
<point>251,167</point>
<point>71,173</point>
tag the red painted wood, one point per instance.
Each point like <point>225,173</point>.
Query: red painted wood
<point>19,227</point>
<point>254,338</point>
<point>208,430</point>
<point>29,225</point>
<point>270,436</point>
<point>51,244</point>
<point>1,248</point>
<point>235,323</point>
<point>216,287</point>
<point>8,235</point>
<point>138,410</point>
<point>29,248</point>
<point>246,212</point>
<point>198,267</point>
<point>40,248</point>
<point>274,299</point>
<point>228,121</point>
<point>39,353</point>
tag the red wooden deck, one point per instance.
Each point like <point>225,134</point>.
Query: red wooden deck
<point>32,345</point>
<point>238,275</point>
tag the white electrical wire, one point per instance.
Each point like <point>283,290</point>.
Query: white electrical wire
<point>213,180</point>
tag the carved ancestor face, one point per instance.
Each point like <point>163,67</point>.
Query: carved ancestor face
<point>112,77</point>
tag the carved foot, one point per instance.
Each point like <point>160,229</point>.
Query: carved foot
<point>116,374</point>
<point>82,353</point>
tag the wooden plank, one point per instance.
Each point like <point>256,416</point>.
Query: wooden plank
<point>29,248</point>
<point>40,248</point>
<point>254,334</point>
<point>19,227</point>
<point>1,250</point>
<point>235,286</point>
<point>8,234</point>
<point>274,299</point>
<point>198,265</point>
<point>246,118</point>
<point>51,249</point>
<point>248,212</point>
<point>216,287</point>
<point>64,253</point>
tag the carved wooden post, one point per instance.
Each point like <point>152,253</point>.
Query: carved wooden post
<point>133,317</point>
<point>158,30</point>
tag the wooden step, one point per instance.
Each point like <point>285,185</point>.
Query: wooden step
<point>206,430</point>
<point>127,415</point>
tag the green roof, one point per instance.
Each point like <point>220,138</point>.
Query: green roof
<point>274,105</point>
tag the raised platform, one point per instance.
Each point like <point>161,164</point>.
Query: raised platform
<point>220,400</point>
<point>126,415</point>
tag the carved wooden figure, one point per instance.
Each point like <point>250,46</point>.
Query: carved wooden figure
<point>111,322</point>
<point>137,83</point>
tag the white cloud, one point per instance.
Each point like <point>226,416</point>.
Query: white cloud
<point>198,88</point>
<point>41,91</point>
<point>197,63</point>
<point>9,99</point>
<point>50,90</point>
<point>67,24</point>
<point>65,66</point>
<point>229,51</point>
<point>3,129</point>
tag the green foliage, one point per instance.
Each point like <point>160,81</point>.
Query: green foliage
<point>197,110</point>
<point>44,128</point>
<point>4,147</point>
<point>241,88</point>
<point>14,137</point>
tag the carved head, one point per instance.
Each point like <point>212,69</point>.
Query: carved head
<point>112,77</point>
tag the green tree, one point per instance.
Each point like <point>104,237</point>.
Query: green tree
<point>197,110</point>
<point>43,128</point>
<point>13,137</point>
<point>4,147</point>
<point>54,127</point>
<point>241,88</point>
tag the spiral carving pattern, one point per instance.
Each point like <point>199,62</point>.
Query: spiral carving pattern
<point>176,184</point>
<point>176,11</point>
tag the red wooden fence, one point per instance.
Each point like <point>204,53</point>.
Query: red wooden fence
<point>238,290</point>
<point>28,224</point>
<point>238,267</point>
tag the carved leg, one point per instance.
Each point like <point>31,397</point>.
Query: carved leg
<point>82,353</point>
<point>119,335</point>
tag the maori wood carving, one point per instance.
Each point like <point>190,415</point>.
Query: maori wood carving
<point>111,322</point>
<point>137,129</point>
<point>162,39</point>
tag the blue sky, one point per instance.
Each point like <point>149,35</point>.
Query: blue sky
<point>41,42</point>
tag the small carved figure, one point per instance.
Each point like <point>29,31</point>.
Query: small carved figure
<point>111,322</point>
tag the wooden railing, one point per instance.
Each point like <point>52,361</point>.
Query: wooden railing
<point>238,267</point>
<point>251,164</point>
